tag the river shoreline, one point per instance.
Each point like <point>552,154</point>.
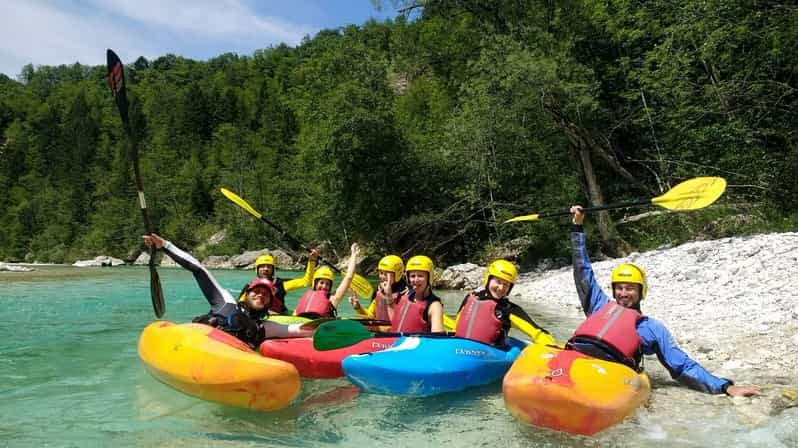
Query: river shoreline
<point>729,303</point>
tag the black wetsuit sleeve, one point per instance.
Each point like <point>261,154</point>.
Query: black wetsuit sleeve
<point>216,296</point>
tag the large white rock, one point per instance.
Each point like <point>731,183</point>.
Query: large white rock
<point>466,276</point>
<point>99,261</point>
<point>142,259</point>
<point>14,268</point>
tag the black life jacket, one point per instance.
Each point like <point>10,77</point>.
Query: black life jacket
<point>238,323</point>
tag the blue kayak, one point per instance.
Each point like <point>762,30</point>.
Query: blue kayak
<point>419,365</point>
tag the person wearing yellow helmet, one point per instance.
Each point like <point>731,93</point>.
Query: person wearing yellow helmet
<point>246,319</point>
<point>419,309</point>
<point>485,314</point>
<point>317,302</point>
<point>386,296</point>
<point>618,331</point>
<point>265,268</point>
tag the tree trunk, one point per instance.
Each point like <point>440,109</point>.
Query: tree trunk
<point>583,143</point>
<point>611,244</point>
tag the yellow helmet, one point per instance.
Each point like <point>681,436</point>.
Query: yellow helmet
<point>391,263</point>
<point>631,273</point>
<point>263,259</point>
<point>502,269</point>
<point>323,272</point>
<point>420,263</point>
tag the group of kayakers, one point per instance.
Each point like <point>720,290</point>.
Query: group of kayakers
<point>615,330</point>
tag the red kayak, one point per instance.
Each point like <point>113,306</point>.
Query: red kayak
<point>312,363</point>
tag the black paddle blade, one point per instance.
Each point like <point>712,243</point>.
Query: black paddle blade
<point>156,293</point>
<point>116,81</point>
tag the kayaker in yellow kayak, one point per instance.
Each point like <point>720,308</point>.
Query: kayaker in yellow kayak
<point>264,268</point>
<point>486,314</point>
<point>392,287</point>
<point>317,302</point>
<point>242,318</point>
<point>419,310</point>
<point>618,331</point>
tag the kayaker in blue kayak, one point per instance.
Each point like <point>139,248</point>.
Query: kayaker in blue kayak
<point>419,310</point>
<point>391,288</point>
<point>618,331</point>
<point>486,314</point>
<point>242,318</point>
<point>264,268</point>
<point>317,302</point>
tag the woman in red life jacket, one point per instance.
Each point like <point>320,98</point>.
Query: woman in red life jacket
<point>485,314</point>
<point>419,310</point>
<point>616,330</point>
<point>317,302</point>
<point>392,287</point>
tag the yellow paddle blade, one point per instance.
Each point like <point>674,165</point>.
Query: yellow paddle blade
<point>692,194</point>
<point>240,202</point>
<point>449,324</point>
<point>523,218</point>
<point>361,286</point>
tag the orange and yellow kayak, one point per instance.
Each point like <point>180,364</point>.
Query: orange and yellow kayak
<point>568,391</point>
<point>208,363</point>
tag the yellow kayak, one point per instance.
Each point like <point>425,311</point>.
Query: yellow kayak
<point>208,363</point>
<point>568,391</point>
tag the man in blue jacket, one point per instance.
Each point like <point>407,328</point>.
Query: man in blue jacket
<point>617,330</point>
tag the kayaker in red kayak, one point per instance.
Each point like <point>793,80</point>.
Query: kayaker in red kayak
<point>392,287</point>
<point>242,318</point>
<point>317,302</point>
<point>484,315</point>
<point>618,331</point>
<point>265,268</point>
<point>419,310</point>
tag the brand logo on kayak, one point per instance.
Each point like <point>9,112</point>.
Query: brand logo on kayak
<point>463,351</point>
<point>379,345</point>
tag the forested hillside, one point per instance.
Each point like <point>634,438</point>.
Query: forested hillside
<point>420,135</point>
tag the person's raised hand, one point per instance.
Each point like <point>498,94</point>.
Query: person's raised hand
<point>153,240</point>
<point>578,214</point>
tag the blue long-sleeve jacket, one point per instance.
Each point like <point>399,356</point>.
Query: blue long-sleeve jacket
<point>656,338</point>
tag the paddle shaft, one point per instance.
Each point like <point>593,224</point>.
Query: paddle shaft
<point>116,80</point>
<point>293,240</point>
<point>638,203</point>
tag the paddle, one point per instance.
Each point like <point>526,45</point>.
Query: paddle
<point>116,80</point>
<point>360,285</point>
<point>343,333</point>
<point>315,323</point>
<point>691,194</point>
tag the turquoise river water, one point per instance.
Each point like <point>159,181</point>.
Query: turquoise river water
<point>70,377</point>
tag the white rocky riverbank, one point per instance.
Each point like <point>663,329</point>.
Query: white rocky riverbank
<point>730,303</point>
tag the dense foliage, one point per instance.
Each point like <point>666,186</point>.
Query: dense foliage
<point>420,134</point>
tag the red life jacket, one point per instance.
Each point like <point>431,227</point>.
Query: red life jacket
<point>478,321</point>
<point>408,316</point>
<point>315,303</point>
<point>614,326</point>
<point>278,301</point>
<point>381,304</point>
